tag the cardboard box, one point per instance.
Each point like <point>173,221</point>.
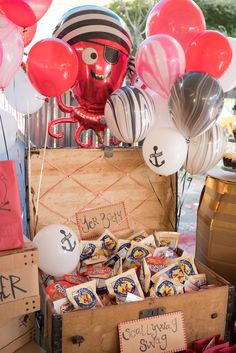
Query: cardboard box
<point>216,226</point>
<point>31,347</point>
<point>16,332</point>
<point>19,288</point>
<point>77,181</point>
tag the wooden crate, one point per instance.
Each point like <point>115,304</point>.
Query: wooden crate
<point>31,347</point>
<point>16,332</point>
<point>75,180</point>
<point>205,314</point>
<point>19,288</point>
<point>81,180</point>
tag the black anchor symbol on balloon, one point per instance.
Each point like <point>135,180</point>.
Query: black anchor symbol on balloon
<point>67,239</point>
<point>156,155</point>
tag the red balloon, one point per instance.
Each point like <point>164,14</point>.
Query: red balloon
<point>27,33</point>
<point>209,52</point>
<point>24,13</point>
<point>181,19</point>
<point>52,66</point>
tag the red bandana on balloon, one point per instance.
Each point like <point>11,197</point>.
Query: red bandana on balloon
<point>103,44</point>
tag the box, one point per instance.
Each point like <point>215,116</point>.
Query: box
<point>216,225</point>
<point>76,182</point>
<point>31,347</point>
<point>19,289</point>
<point>16,332</point>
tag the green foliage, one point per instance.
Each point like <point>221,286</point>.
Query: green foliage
<point>219,15</point>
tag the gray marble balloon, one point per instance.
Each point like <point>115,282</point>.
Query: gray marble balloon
<point>129,113</point>
<point>196,100</point>
<point>206,150</point>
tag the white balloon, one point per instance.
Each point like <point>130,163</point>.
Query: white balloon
<point>59,249</point>
<point>10,128</point>
<point>206,150</point>
<point>129,114</point>
<point>22,96</point>
<point>164,150</point>
<point>162,116</point>
<point>228,79</point>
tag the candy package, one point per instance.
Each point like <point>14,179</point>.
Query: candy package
<point>94,271</point>
<point>62,306</point>
<point>75,279</point>
<point>173,271</point>
<point>144,275</point>
<point>155,263</point>
<point>119,286</point>
<point>123,243</point>
<point>188,266</point>
<point>57,290</point>
<point>92,252</point>
<point>149,241</point>
<point>138,236</point>
<point>109,241</point>
<point>136,253</point>
<point>84,296</point>
<point>166,286</point>
<point>169,239</point>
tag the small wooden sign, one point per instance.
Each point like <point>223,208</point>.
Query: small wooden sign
<point>164,333</point>
<point>92,222</point>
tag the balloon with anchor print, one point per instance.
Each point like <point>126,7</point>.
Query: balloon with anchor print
<point>59,249</point>
<point>164,150</point>
<point>129,113</point>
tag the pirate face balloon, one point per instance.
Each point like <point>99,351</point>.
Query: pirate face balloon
<point>59,249</point>
<point>103,44</point>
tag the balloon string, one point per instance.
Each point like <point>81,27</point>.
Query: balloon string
<point>183,182</point>
<point>42,167</point>
<point>4,137</point>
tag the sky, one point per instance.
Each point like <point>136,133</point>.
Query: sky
<point>53,15</point>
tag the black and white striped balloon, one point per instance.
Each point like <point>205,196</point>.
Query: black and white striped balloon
<point>129,113</point>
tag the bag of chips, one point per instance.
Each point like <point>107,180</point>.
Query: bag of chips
<point>169,239</point>
<point>166,286</point>
<point>109,241</point>
<point>84,296</point>
<point>138,236</point>
<point>127,282</point>
<point>92,252</point>
<point>173,271</point>
<point>137,252</point>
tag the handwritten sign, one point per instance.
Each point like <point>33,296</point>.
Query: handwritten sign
<point>164,333</point>
<point>92,223</point>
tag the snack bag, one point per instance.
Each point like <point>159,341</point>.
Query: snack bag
<point>155,264</point>
<point>138,236</point>
<point>109,241</point>
<point>127,282</point>
<point>84,296</point>
<point>57,290</point>
<point>198,280</point>
<point>144,276</point>
<point>75,279</point>
<point>173,271</point>
<point>98,271</point>
<point>149,241</point>
<point>62,306</point>
<point>188,266</point>
<point>166,286</point>
<point>137,252</point>
<point>169,239</point>
<point>123,243</point>
<point>91,252</point>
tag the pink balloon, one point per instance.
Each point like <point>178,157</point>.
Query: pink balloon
<point>160,61</point>
<point>24,13</point>
<point>12,47</point>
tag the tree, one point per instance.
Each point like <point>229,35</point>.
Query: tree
<point>219,15</point>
